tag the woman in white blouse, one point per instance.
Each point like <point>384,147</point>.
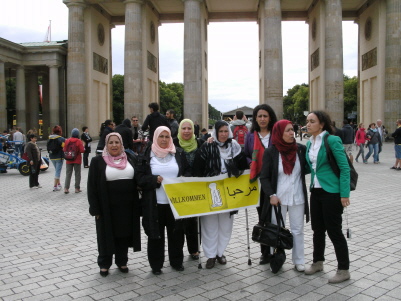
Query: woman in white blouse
<point>283,181</point>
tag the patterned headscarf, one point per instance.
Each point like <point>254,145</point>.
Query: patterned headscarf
<point>119,161</point>
<point>157,150</point>
<point>187,145</point>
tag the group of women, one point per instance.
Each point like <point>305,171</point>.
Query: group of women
<point>371,139</point>
<point>116,179</point>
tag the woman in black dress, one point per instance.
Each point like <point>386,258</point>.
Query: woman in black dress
<point>113,200</point>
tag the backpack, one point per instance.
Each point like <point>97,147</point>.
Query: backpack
<point>239,134</point>
<point>53,146</point>
<point>352,172</point>
<point>71,151</point>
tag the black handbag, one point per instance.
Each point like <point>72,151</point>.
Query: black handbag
<point>266,233</point>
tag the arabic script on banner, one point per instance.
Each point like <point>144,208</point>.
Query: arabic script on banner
<point>190,196</point>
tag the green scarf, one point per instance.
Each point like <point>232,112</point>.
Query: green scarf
<point>187,145</point>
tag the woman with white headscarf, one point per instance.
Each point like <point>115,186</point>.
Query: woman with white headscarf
<point>113,200</point>
<point>223,155</point>
<point>162,160</point>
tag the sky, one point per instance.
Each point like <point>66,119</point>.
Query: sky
<point>233,51</point>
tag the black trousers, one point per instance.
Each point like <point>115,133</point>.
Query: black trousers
<point>86,159</point>
<point>191,234</point>
<point>175,240</point>
<point>264,250</point>
<point>121,255</point>
<point>326,215</point>
<point>34,176</point>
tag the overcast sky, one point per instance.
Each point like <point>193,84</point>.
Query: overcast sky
<point>233,53</point>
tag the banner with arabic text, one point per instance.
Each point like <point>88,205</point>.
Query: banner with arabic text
<point>191,196</point>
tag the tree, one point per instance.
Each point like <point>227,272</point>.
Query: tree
<point>296,102</point>
<point>118,98</point>
<point>350,94</point>
<point>172,97</point>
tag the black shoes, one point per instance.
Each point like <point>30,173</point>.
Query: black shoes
<point>265,259</point>
<point>156,272</point>
<point>178,268</point>
<point>123,270</point>
<point>222,259</point>
<point>104,273</point>
<point>195,256</point>
<point>210,263</point>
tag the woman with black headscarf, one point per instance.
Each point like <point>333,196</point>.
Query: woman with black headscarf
<point>283,181</point>
<point>223,155</point>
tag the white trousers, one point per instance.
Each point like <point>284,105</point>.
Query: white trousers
<point>216,233</point>
<point>296,219</point>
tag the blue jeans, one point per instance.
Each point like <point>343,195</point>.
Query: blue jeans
<point>375,149</point>
<point>58,165</point>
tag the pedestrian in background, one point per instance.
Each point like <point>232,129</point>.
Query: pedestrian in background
<point>397,146</point>
<point>360,139</point>
<point>35,160</point>
<point>73,145</point>
<point>105,128</point>
<point>87,139</point>
<point>55,146</point>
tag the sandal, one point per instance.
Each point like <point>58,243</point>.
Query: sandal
<point>195,256</point>
<point>66,191</point>
<point>78,190</point>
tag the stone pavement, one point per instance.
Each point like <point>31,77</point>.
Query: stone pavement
<point>48,251</point>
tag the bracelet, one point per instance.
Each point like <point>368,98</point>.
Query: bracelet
<point>273,195</point>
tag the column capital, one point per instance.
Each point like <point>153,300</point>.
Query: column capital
<point>53,66</point>
<point>134,1</point>
<point>69,3</point>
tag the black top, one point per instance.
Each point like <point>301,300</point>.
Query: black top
<point>153,121</point>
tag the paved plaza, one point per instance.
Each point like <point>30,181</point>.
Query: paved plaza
<point>48,250</point>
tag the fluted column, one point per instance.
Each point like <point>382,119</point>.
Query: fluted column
<point>20,101</point>
<point>392,96</point>
<point>46,107</point>
<point>32,114</point>
<point>76,75</point>
<point>3,98</point>
<point>133,56</point>
<point>192,59</point>
<point>273,56</point>
<point>54,97</point>
<point>334,82</point>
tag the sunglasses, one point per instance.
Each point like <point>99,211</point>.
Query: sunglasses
<point>134,120</point>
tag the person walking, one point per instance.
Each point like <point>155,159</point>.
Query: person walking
<point>35,160</point>
<point>329,195</point>
<point>154,120</point>
<point>55,146</point>
<point>374,140</point>
<point>283,180</point>
<point>73,148</point>
<point>360,139</point>
<point>348,139</point>
<point>223,155</point>
<point>86,139</point>
<point>257,140</point>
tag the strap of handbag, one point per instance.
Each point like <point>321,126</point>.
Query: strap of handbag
<point>280,221</point>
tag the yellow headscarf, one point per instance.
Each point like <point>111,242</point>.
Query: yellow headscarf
<point>187,145</point>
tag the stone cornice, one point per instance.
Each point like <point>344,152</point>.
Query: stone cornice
<point>69,3</point>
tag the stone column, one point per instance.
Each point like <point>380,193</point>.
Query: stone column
<point>3,98</point>
<point>133,56</point>
<point>273,56</point>
<point>33,101</point>
<point>192,59</point>
<point>76,75</point>
<point>392,96</point>
<point>54,98</point>
<point>46,108</point>
<point>334,82</point>
<point>20,101</point>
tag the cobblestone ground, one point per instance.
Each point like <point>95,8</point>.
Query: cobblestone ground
<point>48,251</point>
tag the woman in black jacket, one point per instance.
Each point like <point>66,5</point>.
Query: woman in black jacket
<point>186,139</point>
<point>161,160</point>
<point>106,128</point>
<point>283,181</point>
<point>223,155</point>
<point>113,200</point>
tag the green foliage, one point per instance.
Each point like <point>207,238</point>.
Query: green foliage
<point>118,98</point>
<point>171,97</point>
<point>213,114</point>
<point>296,102</point>
<point>350,94</point>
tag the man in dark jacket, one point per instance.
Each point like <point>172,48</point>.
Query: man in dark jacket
<point>348,138</point>
<point>170,115</point>
<point>124,130</point>
<point>154,120</point>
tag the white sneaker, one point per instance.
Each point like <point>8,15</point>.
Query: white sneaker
<point>55,188</point>
<point>300,267</point>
